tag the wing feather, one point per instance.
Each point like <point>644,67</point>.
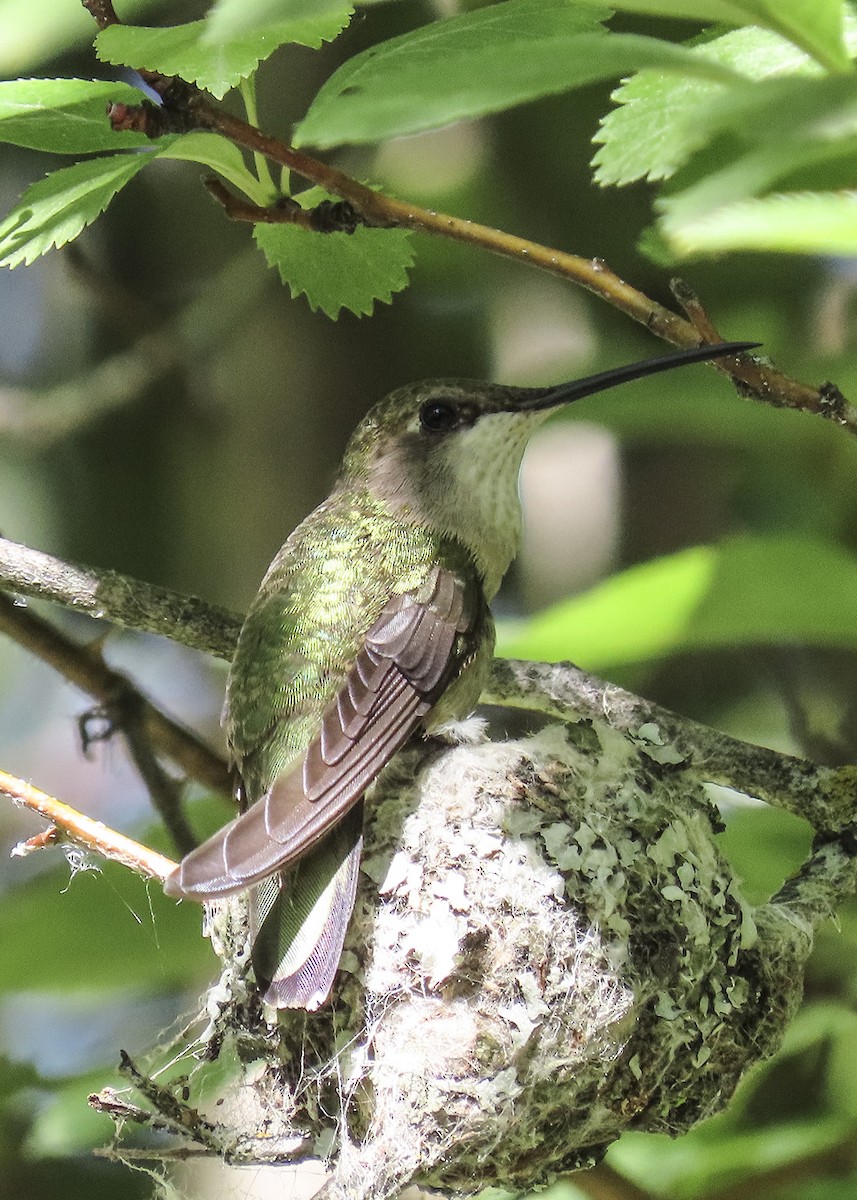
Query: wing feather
<point>406,661</point>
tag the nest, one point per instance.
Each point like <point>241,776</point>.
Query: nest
<point>548,949</point>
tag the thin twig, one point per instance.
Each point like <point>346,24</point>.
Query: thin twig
<point>789,672</point>
<point>325,217</point>
<point>237,208</point>
<point>85,667</point>
<point>48,414</point>
<point>164,790</point>
<point>757,380</point>
<point>108,1102</point>
<point>49,836</point>
<point>185,108</point>
<point>182,1117</point>
<point>85,832</point>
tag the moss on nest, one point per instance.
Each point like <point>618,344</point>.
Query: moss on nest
<point>548,949</point>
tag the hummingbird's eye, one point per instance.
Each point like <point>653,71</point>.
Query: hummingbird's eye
<point>439,416</point>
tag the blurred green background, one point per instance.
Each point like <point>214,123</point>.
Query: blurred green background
<point>168,411</point>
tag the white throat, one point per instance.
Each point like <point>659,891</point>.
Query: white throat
<point>465,486</point>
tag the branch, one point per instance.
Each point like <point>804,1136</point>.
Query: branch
<point>185,108</point>
<point>325,217</point>
<point>48,414</point>
<point>119,599</point>
<point>164,790</point>
<point>756,380</point>
<point>824,796</point>
<point>84,831</point>
<point>124,705</point>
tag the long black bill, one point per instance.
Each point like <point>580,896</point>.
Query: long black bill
<point>564,393</point>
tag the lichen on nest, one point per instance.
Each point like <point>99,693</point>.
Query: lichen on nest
<point>548,949</point>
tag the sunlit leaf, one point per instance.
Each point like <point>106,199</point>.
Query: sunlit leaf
<point>639,614</point>
<point>788,108</point>
<point>732,12</point>
<point>66,116</point>
<point>797,132</point>
<point>780,135</point>
<point>183,50</point>
<point>337,270</point>
<point>793,223</point>
<point>661,120</point>
<point>747,591</point>
<point>312,21</point>
<point>477,63</point>
<point>814,25</point>
<point>56,209</point>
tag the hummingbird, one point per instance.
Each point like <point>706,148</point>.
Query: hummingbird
<point>371,624</point>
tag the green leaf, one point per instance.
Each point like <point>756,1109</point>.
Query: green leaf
<point>770,591</point>
<point>66,116</point>
<point>796,107</point>
<point>56,209</point>
<point>477,63</point>
<point>802,132</point>
<point>783,136</point>
<point>660,120</point>
<point>748,591</point>
<point>36,32</point>
<point>706,12</point>
<point>179,50</point>
<point>790,223</point>
<point>756,173</point>
<point>222,156</point>
<point>337,270</point>
<point>779,135</point>
<point>311,21</point>
<point>817,26</point>
<point>784,838</point>
<point>184,50</point>
<point>639,614</point>
<point>814,25</point>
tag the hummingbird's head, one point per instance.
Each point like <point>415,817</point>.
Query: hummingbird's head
<point>445,454</point>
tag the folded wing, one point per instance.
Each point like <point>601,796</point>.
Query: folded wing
<point>408,658</point>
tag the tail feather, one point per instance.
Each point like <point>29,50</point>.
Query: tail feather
<point>302,929</point>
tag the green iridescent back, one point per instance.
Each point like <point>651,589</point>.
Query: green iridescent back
<point>326,587</point>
